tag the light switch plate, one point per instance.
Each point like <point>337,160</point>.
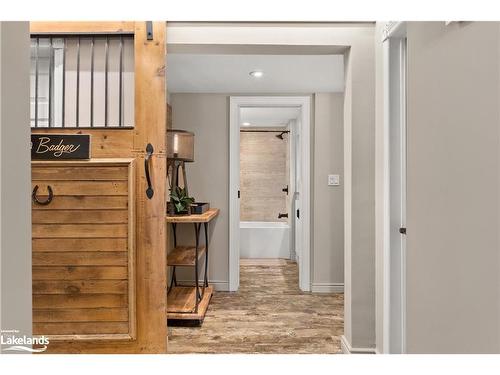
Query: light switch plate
<point>333,180</point>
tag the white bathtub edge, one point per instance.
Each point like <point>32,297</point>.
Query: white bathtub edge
<point>263,224</point>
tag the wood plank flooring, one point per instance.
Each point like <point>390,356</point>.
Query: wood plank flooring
<point>269,314</point>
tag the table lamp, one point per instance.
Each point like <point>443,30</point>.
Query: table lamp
<point>180,149</point>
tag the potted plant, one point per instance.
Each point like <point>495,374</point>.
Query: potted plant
<point>180,201</point>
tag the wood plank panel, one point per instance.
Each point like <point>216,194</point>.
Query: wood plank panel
<point>70,27</point>
<point>79,328</point>
<point>72,188</point>
<point>80,287</point>
<point>85,258</point>
<point>79,230</point>
<point>80,273</point>
<point>59,301</point>
<point>79,216</point>
<point>79,244</point>
<point>80,173</point>
<point>80,315</point>
<point>84,203</point>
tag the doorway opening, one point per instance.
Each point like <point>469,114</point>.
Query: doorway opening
<point>211,91</point>
<point>265,184</point>
<point>269,182</point>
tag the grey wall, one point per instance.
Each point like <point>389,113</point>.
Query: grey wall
<point>359,189</point>
<point>453,268</point>
<point>15,205</point>
<point>207,116</point>
<point>328,201</point>
<point>380,158</point>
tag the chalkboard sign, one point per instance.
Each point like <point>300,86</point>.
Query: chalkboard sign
<point>60,146</point>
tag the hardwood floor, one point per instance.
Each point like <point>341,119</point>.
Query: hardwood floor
<point>269,314</point>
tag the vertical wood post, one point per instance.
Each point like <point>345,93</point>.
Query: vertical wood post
<point>150,127</point>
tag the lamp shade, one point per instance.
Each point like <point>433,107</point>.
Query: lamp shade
<point>180,145</point>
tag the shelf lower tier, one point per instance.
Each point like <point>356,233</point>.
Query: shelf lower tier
<point>181,304</point>
<point>185,256</point>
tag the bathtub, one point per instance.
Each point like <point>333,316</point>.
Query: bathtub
<point>260,239</point>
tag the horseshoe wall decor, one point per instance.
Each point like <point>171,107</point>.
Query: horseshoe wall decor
<point>45,202</point>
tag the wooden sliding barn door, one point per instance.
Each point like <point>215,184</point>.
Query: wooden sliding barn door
<point>146,328</point>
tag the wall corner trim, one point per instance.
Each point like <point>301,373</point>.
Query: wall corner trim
<point>348,349</point>
<point>327,287</point>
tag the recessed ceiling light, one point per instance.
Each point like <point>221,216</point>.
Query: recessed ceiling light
<point>257,73</point>
<point>246,124</point>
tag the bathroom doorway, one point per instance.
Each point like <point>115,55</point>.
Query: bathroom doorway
<point>266,184</point>
<point>269,183</point>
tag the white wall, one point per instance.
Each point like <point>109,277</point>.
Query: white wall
<point>15,190</point>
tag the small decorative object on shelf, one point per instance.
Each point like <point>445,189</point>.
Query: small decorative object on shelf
<point>180,202</point>
<point>199,208</point>
<point>180,146</point>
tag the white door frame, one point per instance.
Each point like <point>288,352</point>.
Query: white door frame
<point>237,102</point>
<point>394,255</point>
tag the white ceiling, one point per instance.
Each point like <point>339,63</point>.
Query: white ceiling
<point>268,116</point>
<point>229,73</point>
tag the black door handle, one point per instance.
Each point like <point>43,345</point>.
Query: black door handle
<point>282,215</point>
<point>45,202</point>
<point>285,190</point>
<point>402,230</point>
<point>149,152</point>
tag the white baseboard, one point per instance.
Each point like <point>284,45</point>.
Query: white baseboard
<point>219,286</point>
<point>348,349</point>
<point>327,288</point>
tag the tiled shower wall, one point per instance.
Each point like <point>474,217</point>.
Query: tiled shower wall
<point>264,172</point>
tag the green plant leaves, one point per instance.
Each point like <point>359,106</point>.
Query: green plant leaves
<point>180,199</point>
